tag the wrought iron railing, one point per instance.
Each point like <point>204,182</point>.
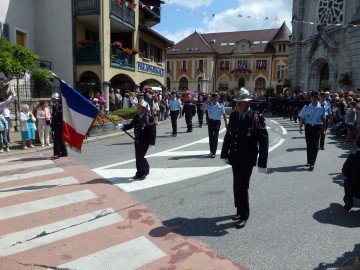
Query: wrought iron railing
<point>86,7</point>
<point>118,58</point>
<point>122,13</point>
<point>88,53</point>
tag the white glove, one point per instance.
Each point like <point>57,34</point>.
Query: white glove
<point>120,126</point>
<point>151,147</point>
<point>262,170</point>
<point>225,160</point>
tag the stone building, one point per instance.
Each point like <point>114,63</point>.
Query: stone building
<point>325,45</point>
<point>229,60</point>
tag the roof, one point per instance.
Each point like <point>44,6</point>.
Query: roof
<point>153,33</point>
<point>228,42</point>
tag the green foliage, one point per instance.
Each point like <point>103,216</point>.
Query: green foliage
<point>15,58</point>
<point>325,85</point>
<point>41,76</point>
<point>126,113</point>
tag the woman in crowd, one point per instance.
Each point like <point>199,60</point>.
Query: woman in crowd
<point>44,119</point>
<point>350,117</point>
<point>27,126</point>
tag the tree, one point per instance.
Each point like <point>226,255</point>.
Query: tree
<point>16,59</point>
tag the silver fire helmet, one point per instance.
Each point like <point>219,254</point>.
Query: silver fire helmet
<point>243,95</point>
<point>144,104</point>
<point>55,96</point>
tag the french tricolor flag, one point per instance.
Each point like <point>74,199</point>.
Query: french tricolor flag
<point>78,115</point>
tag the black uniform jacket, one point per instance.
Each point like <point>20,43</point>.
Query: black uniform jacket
<point>351,169</point>
<point>245,139</point>
<point>144,129</point>
<point>56,117</point>
<point>189,109</point>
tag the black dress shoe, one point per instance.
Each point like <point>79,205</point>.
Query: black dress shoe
<point>348,205</point>
<point>55,157</point>
<point>136,176</point>
<point>241,224</point>
<point>236,217</point>
<point>311,168</point>
<point>63,155</point>
<point>307,164</point>
<point>322,148</point>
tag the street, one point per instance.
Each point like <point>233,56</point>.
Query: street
<point>297,220</point>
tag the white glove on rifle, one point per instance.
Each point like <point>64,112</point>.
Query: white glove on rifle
<point>262,170</point>
<point>120,126</point>
<point>151,147</point>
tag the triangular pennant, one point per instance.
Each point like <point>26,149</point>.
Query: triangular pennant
<point>142,6</point>
<point>213,15</point>
<point>266,18</point>
<point>126,4</point>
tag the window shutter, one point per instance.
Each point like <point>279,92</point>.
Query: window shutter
<point>6,31</point>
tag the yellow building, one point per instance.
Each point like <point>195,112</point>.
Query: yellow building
<point>229,60</point>
<point>115,45</point>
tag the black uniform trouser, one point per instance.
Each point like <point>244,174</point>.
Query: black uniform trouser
<point>200,114</point>
<point>312,137</point>
<point>188,120</point>
<point>59,144</point>
<point>213,129</point>
<point>349,192</point>
<point>322,138</point>
<point>174,116</point>
<point>242,174</point>
<point>142,166</point>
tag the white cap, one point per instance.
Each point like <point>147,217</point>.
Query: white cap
<point>55,96</point>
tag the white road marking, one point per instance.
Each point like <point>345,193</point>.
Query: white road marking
<point>21,158</point>
<point>21,176</point>
<point>280,142</point>
<point>16,190</point>
<point>184,153</point>
<point>28,239</point>
<point>45,204</point>
<point>24,165</point>
<point>284,131</point>
<point>119,257</point>
<point>157,176</point>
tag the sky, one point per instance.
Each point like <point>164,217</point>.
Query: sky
<point>180,18</point>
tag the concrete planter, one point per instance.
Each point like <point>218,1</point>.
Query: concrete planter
<point>105,128</point>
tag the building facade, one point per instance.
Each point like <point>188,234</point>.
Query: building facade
<point>325,45</point>
<point>209,62</point>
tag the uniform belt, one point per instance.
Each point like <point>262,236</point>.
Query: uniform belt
<point>214,120</point>
<point>317,125</point>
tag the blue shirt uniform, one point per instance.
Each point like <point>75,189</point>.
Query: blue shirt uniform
<point>215,111</point>
<point>327,107</point>
<point>175,104</point>
<point>313,115</point>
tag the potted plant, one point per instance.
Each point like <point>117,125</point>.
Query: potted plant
<point>127,51</point>
<point>117,45</point>
<point>135,51</point>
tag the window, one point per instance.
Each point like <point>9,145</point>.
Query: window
<point>151,51</point>
<point>282,47</point>
<point>257,42</point>
<point>261,64</point>
<point>168,66</point>
<point>183,83</point>
<point>189,49</point>
<point>260,83</point>
<point>143,47</point>
<point>20,38</point>
<point>231,43</point>
<point>224,65</point>
<point>175,50</point>
<point>243,64</point>
<point>280,72</point>
<point>224,44</point>
<point>159,55</point>
<point>183,65</point>
<point>198,48</point>
<point>201,64</point>
<point>4,31</point>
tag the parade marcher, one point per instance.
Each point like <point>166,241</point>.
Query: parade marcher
<point>189,110</point>
<point>57,128</point>
<point>145,135</point>
<point>351,171</point>
<point>175,112</point>
<point>200,112</point>
<point>215,110</point>
<point>313,117</point>
<point>246,138</point>
<point>328,117</point>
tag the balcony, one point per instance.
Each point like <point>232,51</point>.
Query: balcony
<point>88,53</point>
<point>120,59</point>
<point>122,14</point>
<point>86,7</point>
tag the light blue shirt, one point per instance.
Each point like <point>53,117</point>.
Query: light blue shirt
<point>215,111</point>
<point>313,115</point>
<point>327,107</point>
<point>175,104</point>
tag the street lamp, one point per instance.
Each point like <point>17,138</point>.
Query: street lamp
<point>17,76</point>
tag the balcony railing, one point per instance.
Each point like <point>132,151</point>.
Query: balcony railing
<point>86,7</point>
<point>122,13</point>
<point>118,58</point>
<point>88,53</point>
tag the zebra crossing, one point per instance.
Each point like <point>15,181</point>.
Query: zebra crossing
<point>61,215</point>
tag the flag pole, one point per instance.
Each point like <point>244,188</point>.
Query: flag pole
<point>101,112</point>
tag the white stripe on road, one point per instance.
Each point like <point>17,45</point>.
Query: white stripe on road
<point>21,158</point>
<point>21,176</point>
<point>24,165</point>
<point>184,153</point>
<point>37,186</point>
<point>157,176</point>
<point>45,204</point>
<point>130,255</point>
<point>280,142</point>
<point>284,131</point>
<point>43,235</point>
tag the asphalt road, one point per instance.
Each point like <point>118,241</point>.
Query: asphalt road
<point>296,221</point>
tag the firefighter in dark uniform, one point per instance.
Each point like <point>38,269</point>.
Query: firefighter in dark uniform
<point>313,117</point>
<point>293,108</point>
<point>189,110</point>
<point>145,135</point>
<point>200,112</point>
<point>246,138</point>
<point>57,127</point>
